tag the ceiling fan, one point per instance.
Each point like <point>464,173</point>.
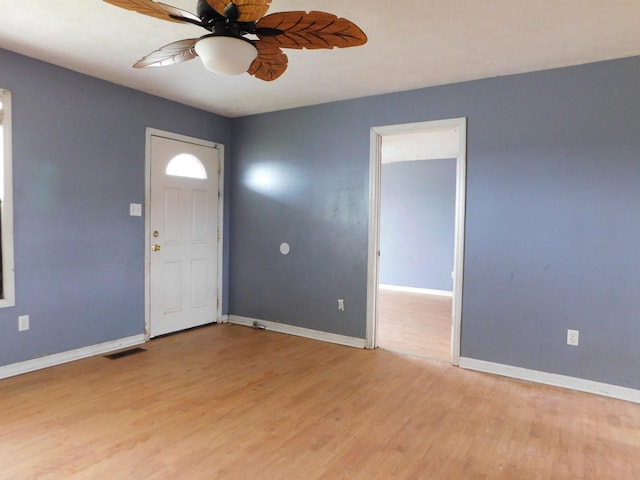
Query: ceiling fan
<point>242,38</point>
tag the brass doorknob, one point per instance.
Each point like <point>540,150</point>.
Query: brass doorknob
<point>156,248</point>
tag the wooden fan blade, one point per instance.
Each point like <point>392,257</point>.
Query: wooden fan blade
<point>311,30</point>
<point>250,10</point>
<point>270,62</point>
<point>176,52</point>
<point>157,10</point>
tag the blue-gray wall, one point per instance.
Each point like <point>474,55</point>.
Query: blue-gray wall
<point>314,194</point>
<point>551,230</point>
<point>78,161</point>
<point>417,223</point>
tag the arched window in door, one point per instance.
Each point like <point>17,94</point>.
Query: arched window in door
<point>186,165</point>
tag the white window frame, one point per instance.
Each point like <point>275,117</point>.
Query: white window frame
<point>8,269</point>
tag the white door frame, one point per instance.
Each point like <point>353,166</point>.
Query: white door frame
<point>374,224</point>
<point>152,132</point>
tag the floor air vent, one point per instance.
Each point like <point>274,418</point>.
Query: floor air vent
<point>125,353</point>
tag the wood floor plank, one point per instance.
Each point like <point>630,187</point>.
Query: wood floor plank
<point>229,402</point>
<point>415,324</point>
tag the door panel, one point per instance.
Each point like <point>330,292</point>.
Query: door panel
<point>198,282</point>
<point>200,216</point>
<point>172,217</point>
<point>183,265</point>
<point>172,287</point>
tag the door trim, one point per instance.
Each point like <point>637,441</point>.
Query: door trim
<point>375,170</point>
<point>153,132</point>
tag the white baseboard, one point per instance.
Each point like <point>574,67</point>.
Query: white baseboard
<point>224,319</point>
<point>426,291</point>
<point>579,384</point>
<point>69,356</point>
<point>300,332</point>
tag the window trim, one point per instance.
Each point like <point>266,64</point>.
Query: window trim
<point>7,205</point>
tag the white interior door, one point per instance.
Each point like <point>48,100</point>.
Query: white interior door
<point>183,229</point>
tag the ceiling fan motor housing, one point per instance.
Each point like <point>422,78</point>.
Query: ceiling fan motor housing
<point>226,24</point>
<point>207,14</point>
<point>231,12</point>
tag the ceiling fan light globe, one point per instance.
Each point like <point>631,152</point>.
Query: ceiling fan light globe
<point>226,55</point>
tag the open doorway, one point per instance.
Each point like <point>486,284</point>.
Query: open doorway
<point>417,309</point>
<point>417,232</point>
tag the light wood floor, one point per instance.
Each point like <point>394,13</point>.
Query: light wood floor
<point>229,402</point>
<point>415,324</point>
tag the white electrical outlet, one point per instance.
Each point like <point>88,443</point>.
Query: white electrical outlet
<point>341,304</point>
<point>23,323</point>
<point>573,337</point>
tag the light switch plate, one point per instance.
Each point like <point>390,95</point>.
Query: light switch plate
<point>573,337</point>
<point>135,209</point>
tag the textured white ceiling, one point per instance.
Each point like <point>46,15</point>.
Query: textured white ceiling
<point>412,44</point>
